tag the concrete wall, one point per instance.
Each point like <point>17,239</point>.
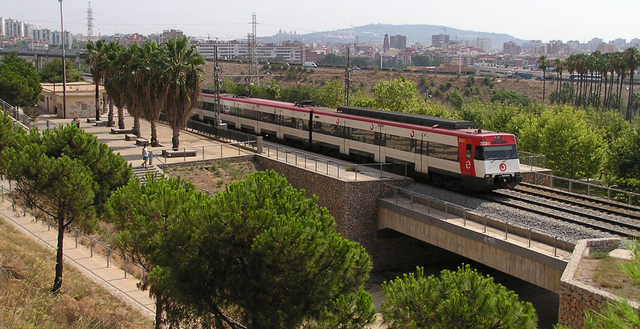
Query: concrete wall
<point>576,296</point>
<point>354,207</point>
<point>521,262</point>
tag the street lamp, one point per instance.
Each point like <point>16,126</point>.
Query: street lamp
<point>64,68</point>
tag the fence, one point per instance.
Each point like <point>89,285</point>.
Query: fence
<point>451,211</point>
<point>532,159</point>
<point>334,168</point>
<point>588,189</point>
<point>207,129</point>
<point>128,266</point>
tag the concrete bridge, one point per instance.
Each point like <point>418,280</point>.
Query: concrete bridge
<point>401,229</point>
<point>41,57</point>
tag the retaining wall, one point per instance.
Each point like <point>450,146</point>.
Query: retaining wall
<point>353,204</point>
<point>576,296</point>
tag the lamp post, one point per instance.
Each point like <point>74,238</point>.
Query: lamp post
<point>64,68</point>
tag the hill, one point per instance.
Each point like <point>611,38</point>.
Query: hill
<point>374,33</point>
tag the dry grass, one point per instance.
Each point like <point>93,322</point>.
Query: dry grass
<point>609,276</point>
<point>26,276</point>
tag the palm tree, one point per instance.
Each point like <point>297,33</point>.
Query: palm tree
<point>153,84</point>
<point>570,64</point>
<point>110,56</point>
<point>632,59</point>
<point>96,61</point>
<point>543,64</point>
<point>116,84</point>
<point>134,89</point>
<point>558,68</point>
<point>184,73</point>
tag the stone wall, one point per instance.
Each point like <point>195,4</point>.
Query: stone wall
<point>532,177</point>
<point>353,205</point>
<point>576,296</point>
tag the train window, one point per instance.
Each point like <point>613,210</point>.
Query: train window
<point>267,117</point>
<point>326,128</point>
<point>468,151</point>
<point>400,143</point>
<point>443,151</point>
<point>364,136</point>
<point>496,152</point>
<point>288,121</point>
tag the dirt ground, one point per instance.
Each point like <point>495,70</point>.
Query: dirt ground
<point>215,177</point>
<point>368,78</point>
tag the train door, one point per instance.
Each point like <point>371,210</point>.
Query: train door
<point>422,151</point>
<point>465,152</point>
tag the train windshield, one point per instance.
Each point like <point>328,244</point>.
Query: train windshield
<point>501,152</point>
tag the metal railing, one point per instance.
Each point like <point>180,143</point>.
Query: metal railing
<point>451,211</point>
<point>108,251</point>
<point>342,170</point>
<point>532,159</point>
<point>587,188</point>
<point>18,117</point>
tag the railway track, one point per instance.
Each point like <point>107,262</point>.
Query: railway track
<point>587,202</point>
<point>593,217</point>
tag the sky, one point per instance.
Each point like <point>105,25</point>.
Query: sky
<point>543,20</point>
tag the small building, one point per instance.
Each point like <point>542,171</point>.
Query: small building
<point>80,99</point>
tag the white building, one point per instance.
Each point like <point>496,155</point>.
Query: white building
<point>290,52</point>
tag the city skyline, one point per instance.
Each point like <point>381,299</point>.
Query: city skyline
<point>559,20</point>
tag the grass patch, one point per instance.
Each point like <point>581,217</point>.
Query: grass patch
<point>26,273</point>
<point>599,255</point>
<point>610,276</point>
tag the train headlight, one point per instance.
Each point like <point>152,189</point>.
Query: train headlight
<point>487,175</point>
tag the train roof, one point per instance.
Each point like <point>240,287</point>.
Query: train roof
<point>462,131</point>
<point>416,119</point>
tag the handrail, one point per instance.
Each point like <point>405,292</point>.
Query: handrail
<point>467,214</point>
<point>301,158</point>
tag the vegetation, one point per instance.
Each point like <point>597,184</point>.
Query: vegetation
<point>52,72</point>
<point>249,257</point>
<point>148,80</point>
<point>19,81</point>
<point>461,299</point>
<point>597,80</point>
<point>28,303</point>
<point>65,173</point>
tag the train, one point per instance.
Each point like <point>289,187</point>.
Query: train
<point>450,153</point>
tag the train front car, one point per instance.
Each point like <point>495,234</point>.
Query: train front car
<point>491,158</point>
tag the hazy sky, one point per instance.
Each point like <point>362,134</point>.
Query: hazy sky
<point>543,19</point>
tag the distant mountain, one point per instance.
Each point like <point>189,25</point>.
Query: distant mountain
<point>374,33</point>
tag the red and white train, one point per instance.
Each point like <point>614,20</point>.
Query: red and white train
<point>448,152</point>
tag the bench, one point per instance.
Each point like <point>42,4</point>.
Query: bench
<point>101,123</point>
<point>141,141</point>
<point>130,137</point>
<point>179,153</point>
<point>91,120</point>
<point>121,131</point>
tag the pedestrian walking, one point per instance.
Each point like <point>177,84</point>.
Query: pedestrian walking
<point>145,155</point>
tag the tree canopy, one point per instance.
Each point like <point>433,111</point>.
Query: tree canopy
<point>67,174</point>
<point>52,72</point>
<point>19,81</point>
<point>259,254</point>
<point>460,299</point>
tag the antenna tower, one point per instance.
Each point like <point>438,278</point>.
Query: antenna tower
<point>89,23</point>
<point>347,79</point>
<point>253,66</point>
<point>217,80</point>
